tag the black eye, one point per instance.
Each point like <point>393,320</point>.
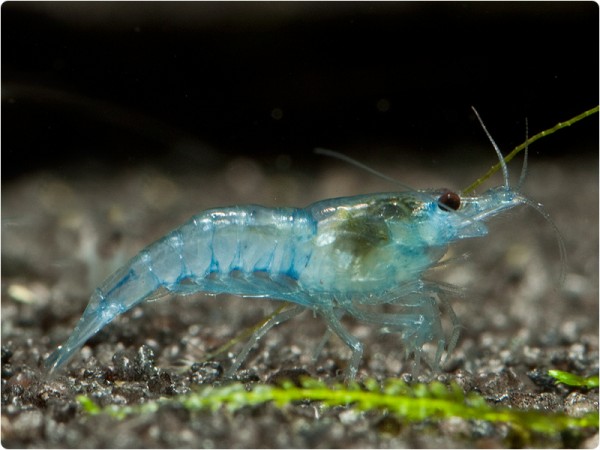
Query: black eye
<point>449,200</point>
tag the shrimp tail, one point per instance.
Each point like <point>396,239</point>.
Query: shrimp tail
<point>98,314</point>
<point>120,292</point>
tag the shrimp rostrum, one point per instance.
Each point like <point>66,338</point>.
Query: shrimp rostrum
<point>336,257</point>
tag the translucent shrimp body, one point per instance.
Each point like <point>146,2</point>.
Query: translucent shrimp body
<point>331,257</point>
<point>335,257</point>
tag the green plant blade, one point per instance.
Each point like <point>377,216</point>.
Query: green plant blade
<point>419,402</point>
<point>528,142</point>
<point>571,379</point>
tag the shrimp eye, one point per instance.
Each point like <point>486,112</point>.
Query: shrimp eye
<point>449,200</point>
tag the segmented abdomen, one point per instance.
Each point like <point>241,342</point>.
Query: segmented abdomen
<point>251,250</point>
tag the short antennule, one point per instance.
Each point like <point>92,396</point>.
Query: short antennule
<point>498,152</point>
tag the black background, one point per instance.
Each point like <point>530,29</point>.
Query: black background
<point>126,83</point>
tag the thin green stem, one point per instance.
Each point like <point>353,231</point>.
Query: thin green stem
<point>529,141</point>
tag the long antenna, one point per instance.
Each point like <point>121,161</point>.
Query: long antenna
<point>341,156</point>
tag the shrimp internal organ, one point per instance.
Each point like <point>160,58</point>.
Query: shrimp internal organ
<point>336,257</point>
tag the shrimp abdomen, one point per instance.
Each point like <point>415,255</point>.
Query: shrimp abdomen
<point>225,250</point>
<point>238,250</point>
<point>250,251</point>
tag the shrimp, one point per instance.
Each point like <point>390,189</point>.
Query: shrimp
<point>336,257</point>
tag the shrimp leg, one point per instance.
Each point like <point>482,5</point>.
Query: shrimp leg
<point>421,322</point>
<point>258,334</point>
<point>321,345</point>
<point>334,324</point>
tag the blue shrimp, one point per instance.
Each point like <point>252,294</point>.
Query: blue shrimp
<point>336,257</point>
